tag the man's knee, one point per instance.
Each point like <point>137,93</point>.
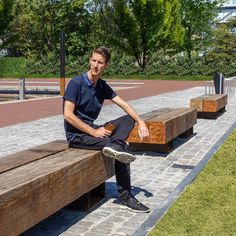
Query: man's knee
<point>129,120</point>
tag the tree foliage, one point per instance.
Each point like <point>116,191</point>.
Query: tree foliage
<point>141,33</point>
<point>5,18</point>
<point>140,27</point>
<point>198,18</point>
<point>38,25</point>
<point>223,44</point>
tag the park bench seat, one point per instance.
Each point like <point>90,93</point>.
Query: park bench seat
<point>47,178</point>
<point>209,105</point>
<point>164,126</point>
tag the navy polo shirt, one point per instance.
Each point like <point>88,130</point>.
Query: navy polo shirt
<point>88,100</point>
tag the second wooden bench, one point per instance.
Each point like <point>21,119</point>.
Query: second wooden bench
<point>209,105</point>
<point>164,126</point>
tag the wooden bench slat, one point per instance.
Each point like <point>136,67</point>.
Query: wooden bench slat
<point>164,114</point>
<point>157,113</point>
<point>42,167</point>
<point>20,158</point>
<point>38,189</point>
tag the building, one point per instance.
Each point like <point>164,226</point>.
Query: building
<point>227,11</point>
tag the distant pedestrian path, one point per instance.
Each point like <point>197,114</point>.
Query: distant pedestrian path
<point>15,112</point>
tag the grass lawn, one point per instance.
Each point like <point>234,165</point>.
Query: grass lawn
<point>208,205</point>
<point>160,77</point>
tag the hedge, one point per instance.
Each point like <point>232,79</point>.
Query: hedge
<point>12,66</point>
<point>120,65</point>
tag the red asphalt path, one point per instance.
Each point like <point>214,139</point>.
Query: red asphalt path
<point>16,112</point>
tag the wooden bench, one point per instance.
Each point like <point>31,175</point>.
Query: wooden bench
<point>209,106</point>
<point>36,183</point>
<point>164,126</point>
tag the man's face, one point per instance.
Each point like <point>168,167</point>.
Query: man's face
<point>97,64</point>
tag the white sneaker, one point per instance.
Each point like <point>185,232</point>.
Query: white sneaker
<point>124,157</point>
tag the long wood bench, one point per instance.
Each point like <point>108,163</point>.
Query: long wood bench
<point>209,106</point>
<point>36,183</point>
<point>164,126</point>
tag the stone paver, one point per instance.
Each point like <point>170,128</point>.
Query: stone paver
<point>157,179</point>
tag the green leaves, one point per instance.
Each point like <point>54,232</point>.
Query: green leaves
<point>198,18</point>
<point>38,25</point>
<point>5,19</point>
<point>140,27</point>
<point>223,45</point>
<point>137,29</point>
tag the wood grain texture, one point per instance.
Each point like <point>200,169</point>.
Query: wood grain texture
<point>209,102</point>
<point>34,191</point>
<point>30,155</point>
<point>165,124</point>
<point>197,103</point>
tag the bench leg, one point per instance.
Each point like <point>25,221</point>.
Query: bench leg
<point>222,110</point>
<point>210,115</point>
<point>188,133</point>
<point>89,199</point>
<point>152,147</point>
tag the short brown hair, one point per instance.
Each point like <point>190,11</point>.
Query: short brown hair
<point>104,52</point>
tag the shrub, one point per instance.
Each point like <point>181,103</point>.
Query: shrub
<point>12,66</point>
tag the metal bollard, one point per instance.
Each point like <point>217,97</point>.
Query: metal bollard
<point>21,88</point>
<point>218,79</point>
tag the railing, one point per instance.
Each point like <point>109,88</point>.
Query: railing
<point>229,86</point>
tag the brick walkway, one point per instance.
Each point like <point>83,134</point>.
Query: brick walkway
<point>157,179</point>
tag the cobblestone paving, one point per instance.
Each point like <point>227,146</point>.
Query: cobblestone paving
<point>157,179</point>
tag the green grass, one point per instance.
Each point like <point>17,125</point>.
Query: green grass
<point>208,205</point>
<point>160,77</point>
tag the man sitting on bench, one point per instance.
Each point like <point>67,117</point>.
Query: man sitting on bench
<point>83,100</point>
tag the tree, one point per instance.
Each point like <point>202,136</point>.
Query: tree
<point>5,18</point>
<point>198,19</point>
<point>140,27</point>
<point>223,44</point>
<point>38,25</point>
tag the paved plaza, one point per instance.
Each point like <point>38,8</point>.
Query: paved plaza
<point>157,178</point>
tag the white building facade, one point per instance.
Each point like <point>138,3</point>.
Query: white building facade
<point>227,11</point>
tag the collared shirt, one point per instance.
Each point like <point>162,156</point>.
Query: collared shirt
<point>88,100</point>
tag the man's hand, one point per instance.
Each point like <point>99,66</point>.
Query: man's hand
<point>101,132</point>
<point>142,130</point>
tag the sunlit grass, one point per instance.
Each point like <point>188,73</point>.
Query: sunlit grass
<point>208,205</point>
<point>160,77</point>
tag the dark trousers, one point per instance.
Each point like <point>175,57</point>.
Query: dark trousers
<point>123,126</point>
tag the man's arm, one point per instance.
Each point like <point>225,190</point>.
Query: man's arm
<point>70,117</point>
<point>143,130</point>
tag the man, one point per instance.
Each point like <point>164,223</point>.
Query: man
<point>83,101</point>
